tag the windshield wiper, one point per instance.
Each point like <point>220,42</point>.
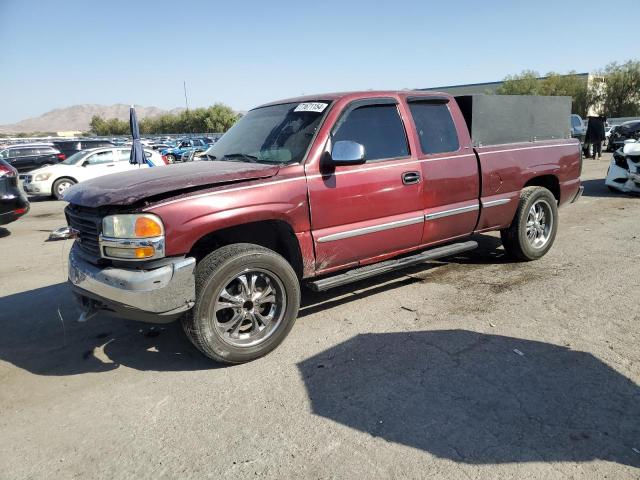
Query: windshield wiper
<point>243,156</point>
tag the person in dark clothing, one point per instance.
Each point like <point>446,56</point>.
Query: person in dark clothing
<point>595,134</point>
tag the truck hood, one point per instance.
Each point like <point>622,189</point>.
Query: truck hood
<point>129,187</point>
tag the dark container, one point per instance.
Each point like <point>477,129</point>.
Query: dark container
<point>502,119</point>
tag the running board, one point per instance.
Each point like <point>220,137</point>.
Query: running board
<point>389,266</point>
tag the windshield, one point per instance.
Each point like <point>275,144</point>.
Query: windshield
<point>575,121</point>
<point>76,157</point>
<point>276,134</point>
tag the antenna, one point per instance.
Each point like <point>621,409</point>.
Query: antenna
<point>186,102</point>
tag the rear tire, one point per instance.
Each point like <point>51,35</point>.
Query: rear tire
<point>247,300</point>
<point>534,226</point>
<point>170,158</point>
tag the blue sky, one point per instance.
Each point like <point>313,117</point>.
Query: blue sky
<point>243,53</point>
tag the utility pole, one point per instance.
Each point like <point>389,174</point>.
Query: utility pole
<point>186,102</point>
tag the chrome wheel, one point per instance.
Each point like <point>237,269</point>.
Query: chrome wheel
<point>63,186</point>
<point>249,308</point>
<point>539,224</point>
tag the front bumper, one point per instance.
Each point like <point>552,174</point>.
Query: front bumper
<point>623,179</point>
<point>159,295</point>
<point>37,188</point>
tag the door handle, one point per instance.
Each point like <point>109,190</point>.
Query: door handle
<point>410,178</point>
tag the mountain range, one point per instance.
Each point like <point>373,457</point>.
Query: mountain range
<point>77,117</point>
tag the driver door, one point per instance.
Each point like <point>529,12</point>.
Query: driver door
<point>359,212</point>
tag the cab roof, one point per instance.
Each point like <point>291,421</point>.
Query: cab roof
<point>356,95</point>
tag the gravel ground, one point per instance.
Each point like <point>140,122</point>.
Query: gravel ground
<point>472,368</point>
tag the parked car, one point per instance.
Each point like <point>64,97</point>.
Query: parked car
<point>193,154</point>
<point>607,134</point>
<point>29,156</point>
<point>626,131</point>
<point>317,190</point>
<point>578,127</point>
<point>95,162</point>
<point>70,147</point>
<point>13,204</point>
<point>624,172</point>
<point>184,145</point>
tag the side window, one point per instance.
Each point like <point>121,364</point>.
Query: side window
<point>4,154</point>
<point>435,127</point>
<point>100,157</point>
<point>377,127</point>
<point>123,155</point>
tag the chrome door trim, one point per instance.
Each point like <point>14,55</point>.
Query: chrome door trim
<point>453,211</point>
<point>495,203</point>
<point>372,229</point>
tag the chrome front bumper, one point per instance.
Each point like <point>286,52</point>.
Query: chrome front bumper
<point>159,295</point>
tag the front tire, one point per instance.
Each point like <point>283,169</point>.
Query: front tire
<point>60,186</point>
<point>171,158</point>
<point>247,300</point>
<point>533,230</point>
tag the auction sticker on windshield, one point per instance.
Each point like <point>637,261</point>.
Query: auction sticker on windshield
<point>311,107</point>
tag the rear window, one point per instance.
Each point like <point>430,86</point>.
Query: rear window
<point>23,152</point>
<point>46,150</point>
<point>95,143</point>
<point>435,127</point>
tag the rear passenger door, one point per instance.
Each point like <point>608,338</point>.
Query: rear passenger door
<point>47,156</point>
<point>98,164</point>
<point>363,211</point>
<point>450,170</point>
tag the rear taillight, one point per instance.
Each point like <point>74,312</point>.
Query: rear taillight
<point>61,156</point>
<point>6,171</point>
<point>164,159</point>
<point>20,211</point>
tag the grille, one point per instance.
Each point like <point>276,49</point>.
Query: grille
<point>87,222</point>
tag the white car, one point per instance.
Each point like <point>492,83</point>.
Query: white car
<point>624,172</point>
<point>84,165</point>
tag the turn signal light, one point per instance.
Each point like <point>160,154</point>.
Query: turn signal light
<point>147,227</point>
<point>138,252</point>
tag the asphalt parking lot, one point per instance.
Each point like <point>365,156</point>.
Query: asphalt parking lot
<point>474,367</point>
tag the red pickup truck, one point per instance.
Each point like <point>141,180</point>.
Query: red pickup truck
<point>320,190</point>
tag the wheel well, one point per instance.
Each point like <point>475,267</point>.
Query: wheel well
<point>62,178</point>
<point>275,235</point>
<point>550,182</point>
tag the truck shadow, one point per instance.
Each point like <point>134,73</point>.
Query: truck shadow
<point>477,398</point>
<point>597,188</point>
<point>489,252</point>
<point>41,333</point>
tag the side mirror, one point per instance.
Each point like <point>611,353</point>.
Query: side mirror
<point>346,152</point>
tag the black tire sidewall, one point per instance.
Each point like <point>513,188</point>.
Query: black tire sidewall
<point>55,186</point>
<point>527,250</point>
<point>211,342</point>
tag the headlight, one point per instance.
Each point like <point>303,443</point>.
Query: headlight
<point>132,226</point>
<point>132,236</point>
<point>41,177</point>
